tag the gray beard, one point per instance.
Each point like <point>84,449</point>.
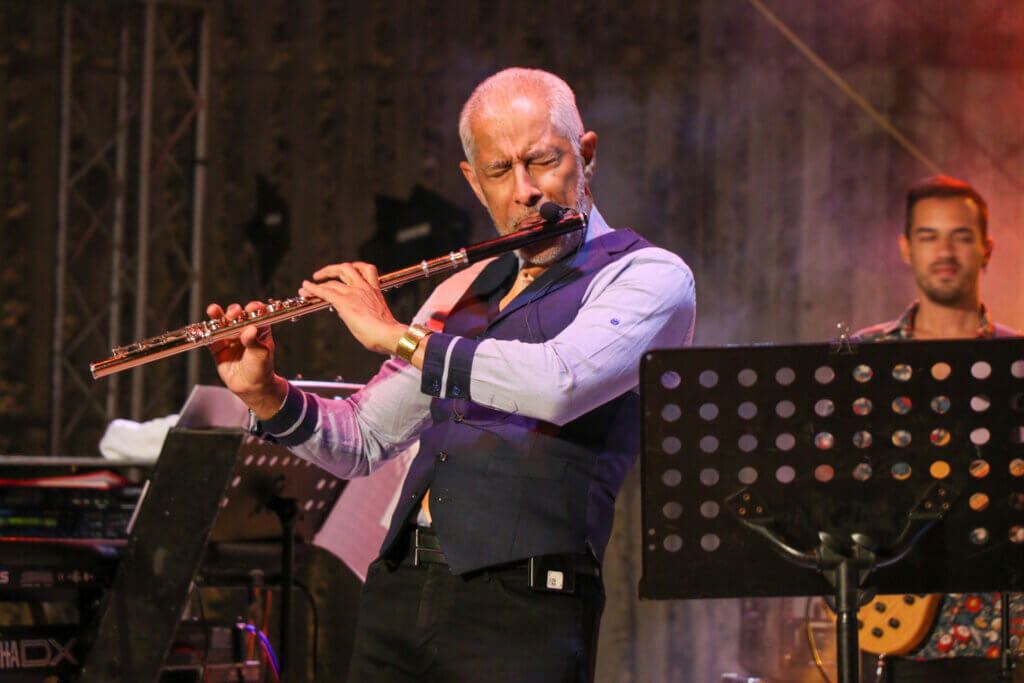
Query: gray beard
<point>565,244</point>
<point>561,246</point>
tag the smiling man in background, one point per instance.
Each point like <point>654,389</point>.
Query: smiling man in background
<point>945,242</point>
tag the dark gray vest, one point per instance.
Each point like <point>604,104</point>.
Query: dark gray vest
<point>505,487</point>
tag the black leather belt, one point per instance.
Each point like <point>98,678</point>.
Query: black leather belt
<point>555,573</point>
<point>426,548</point>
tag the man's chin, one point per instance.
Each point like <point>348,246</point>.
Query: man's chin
<point>549,251</point>
<point>540,257</point>
<point>945,296</point>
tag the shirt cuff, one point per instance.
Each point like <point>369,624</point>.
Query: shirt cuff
<point>295,421</point>
<point>448,365</point>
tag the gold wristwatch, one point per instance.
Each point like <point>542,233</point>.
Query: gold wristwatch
<point>409,342</point>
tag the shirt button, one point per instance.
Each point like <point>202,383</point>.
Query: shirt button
<point>443,456</point>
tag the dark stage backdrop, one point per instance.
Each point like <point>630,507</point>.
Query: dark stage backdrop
<point>719,139</point>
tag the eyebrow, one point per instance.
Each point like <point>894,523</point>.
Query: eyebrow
<point>498,165</point>
<point>545,151</point>
<point>531,155</point>
<point>927,228</point>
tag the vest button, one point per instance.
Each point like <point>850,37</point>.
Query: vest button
<point>442,456</point>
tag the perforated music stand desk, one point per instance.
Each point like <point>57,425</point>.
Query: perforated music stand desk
<point>815,443</point>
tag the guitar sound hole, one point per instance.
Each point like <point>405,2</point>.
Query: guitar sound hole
<point>879,607</point>
<point>894,623</point>
<point>877,632</point>
<point>908,599</point>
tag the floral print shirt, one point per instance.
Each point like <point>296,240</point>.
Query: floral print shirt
<point>967,624</point>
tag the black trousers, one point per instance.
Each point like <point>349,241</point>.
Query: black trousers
<point>425,624</point>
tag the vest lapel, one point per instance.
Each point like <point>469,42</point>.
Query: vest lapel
<point>593,255</point>
<point>468,318</point>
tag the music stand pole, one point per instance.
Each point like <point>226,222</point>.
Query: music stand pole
<point>847,605</point>
<point>287,511</point>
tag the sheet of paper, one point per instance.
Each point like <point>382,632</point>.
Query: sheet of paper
<point>359,521</point>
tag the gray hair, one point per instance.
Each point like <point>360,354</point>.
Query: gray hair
<point>505,85</point>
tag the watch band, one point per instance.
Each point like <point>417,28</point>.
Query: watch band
<point>410,341</point>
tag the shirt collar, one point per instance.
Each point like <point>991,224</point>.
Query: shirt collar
<point>903,327</point>
<point>596,227</point>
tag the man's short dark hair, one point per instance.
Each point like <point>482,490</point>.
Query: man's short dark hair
<point>944,187</point>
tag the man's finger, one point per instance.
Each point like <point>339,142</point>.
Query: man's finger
<point>333,270</point>
<point>350,276</point>
<point>250,336</point>
<point>331,290</point>
<point>368,271</point>
<point>225,349</point>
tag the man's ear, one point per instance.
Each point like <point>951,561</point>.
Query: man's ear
<point>905,248</point>
<point>470,174</point>
<point>588,150</point>
<point>990,244</point>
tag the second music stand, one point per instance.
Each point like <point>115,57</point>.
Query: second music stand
<point>903,461</point>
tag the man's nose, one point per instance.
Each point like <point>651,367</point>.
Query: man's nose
<point>526,193</point>
<point>946,245</point>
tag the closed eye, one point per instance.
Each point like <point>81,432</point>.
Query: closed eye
<point>497,170</point>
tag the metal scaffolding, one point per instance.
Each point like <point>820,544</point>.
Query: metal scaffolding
<point>142,95</point>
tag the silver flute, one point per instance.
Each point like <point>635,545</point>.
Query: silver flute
<point>557,221</point>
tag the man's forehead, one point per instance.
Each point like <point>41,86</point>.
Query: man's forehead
<point>520,103</point>
<point>501,138</point>
<point>505,116</point>
<point>945,210</point>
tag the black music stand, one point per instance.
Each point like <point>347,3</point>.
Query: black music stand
<point>903,461</point>
<point>214,485</point>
